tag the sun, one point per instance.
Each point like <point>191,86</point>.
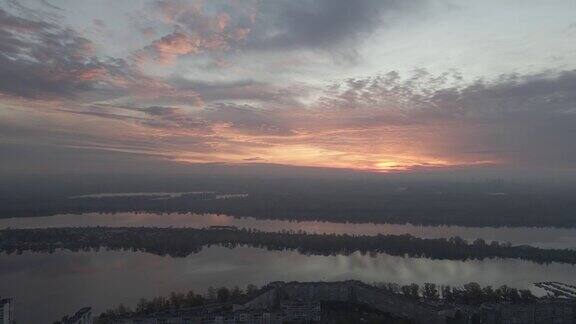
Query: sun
<point>389,165</point>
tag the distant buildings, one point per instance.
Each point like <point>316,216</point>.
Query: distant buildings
<point>301,311</point>
<point>290,294</point>
<point>258,317</point>
<point>297,302</point>
<point>314,302</point>
<point>6,311</point>
<point>552,312</point>
<point>192,317</point>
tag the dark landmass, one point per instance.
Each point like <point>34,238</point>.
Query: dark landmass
<point>469,294</point>
<point>360,301</point>
<point>481,203</point>
<point>180,242</point>
<point>220,301</point>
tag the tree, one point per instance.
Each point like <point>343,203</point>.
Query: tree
<point>415,290</point>
<point>430,291</point>
<point>473,293</point>
<point>192,299</point>
<point>447,294</point>
<point>489,295</point>
<point>251,290</point>
<point>236,292</point>
<point>122,310</point>
<point>479,243</point>
<point>526,296</point>
<point>142,306</point>
<point>223,294</point>
<point>211,293</point>
<point>177,300</point>
<point>411,290</point>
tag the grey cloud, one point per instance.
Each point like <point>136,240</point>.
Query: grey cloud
<point>243,118</point>
<point>161,111</point>
<point>153,116</point>
<point>50,5</point>
<point>247,119</point>
<point>12,22</point>
<point>39,59</point>
<point>256,158</point>
<point>533,119</point>
<point>242,90</point>
<point>525,120</point>
<point>102,114</point>
<point>325,24</point>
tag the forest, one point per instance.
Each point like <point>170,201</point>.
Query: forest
<point>181,242</point>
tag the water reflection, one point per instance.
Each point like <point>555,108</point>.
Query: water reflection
<point>46,286</point>
<point>541,237</point>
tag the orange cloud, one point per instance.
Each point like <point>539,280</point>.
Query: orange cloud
<point>171,46</point>
<point>196,30</point>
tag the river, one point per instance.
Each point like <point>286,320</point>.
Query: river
<point>540,237</point>
<point>47,286</point>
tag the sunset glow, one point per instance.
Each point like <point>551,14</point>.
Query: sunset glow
<point>287,161</point>
<point>236,82</point>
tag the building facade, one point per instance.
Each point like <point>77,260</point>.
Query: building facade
<point>6,311</point>
<point>301,311</point>
<point>547,312</point>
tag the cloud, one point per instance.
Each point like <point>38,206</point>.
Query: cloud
<point>166,49</point>
<point>39,59</point>
<point>246,90</point>
<point>161,111</point>
<point>247,120</point>
<point>13,23</point>
<point>254,159</point>
<point>219,27</point>
<point>376,123</point>
<point>519,120</point>
<point>197,28</point>
<point>42,60</point>
<point>58,87</point>
<point>321,24</point>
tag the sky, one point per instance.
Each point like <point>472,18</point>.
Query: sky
<point>367,85</point>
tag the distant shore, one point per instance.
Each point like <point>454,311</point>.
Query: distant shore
<point>180,242</point>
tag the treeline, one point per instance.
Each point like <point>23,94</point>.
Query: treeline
<point>469,294</point>
<point>415,207</point>
<point>179,301</point>
<point>180,242</point>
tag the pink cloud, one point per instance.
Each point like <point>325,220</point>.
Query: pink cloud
<point>166,49</point>
<point>196,30</point>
